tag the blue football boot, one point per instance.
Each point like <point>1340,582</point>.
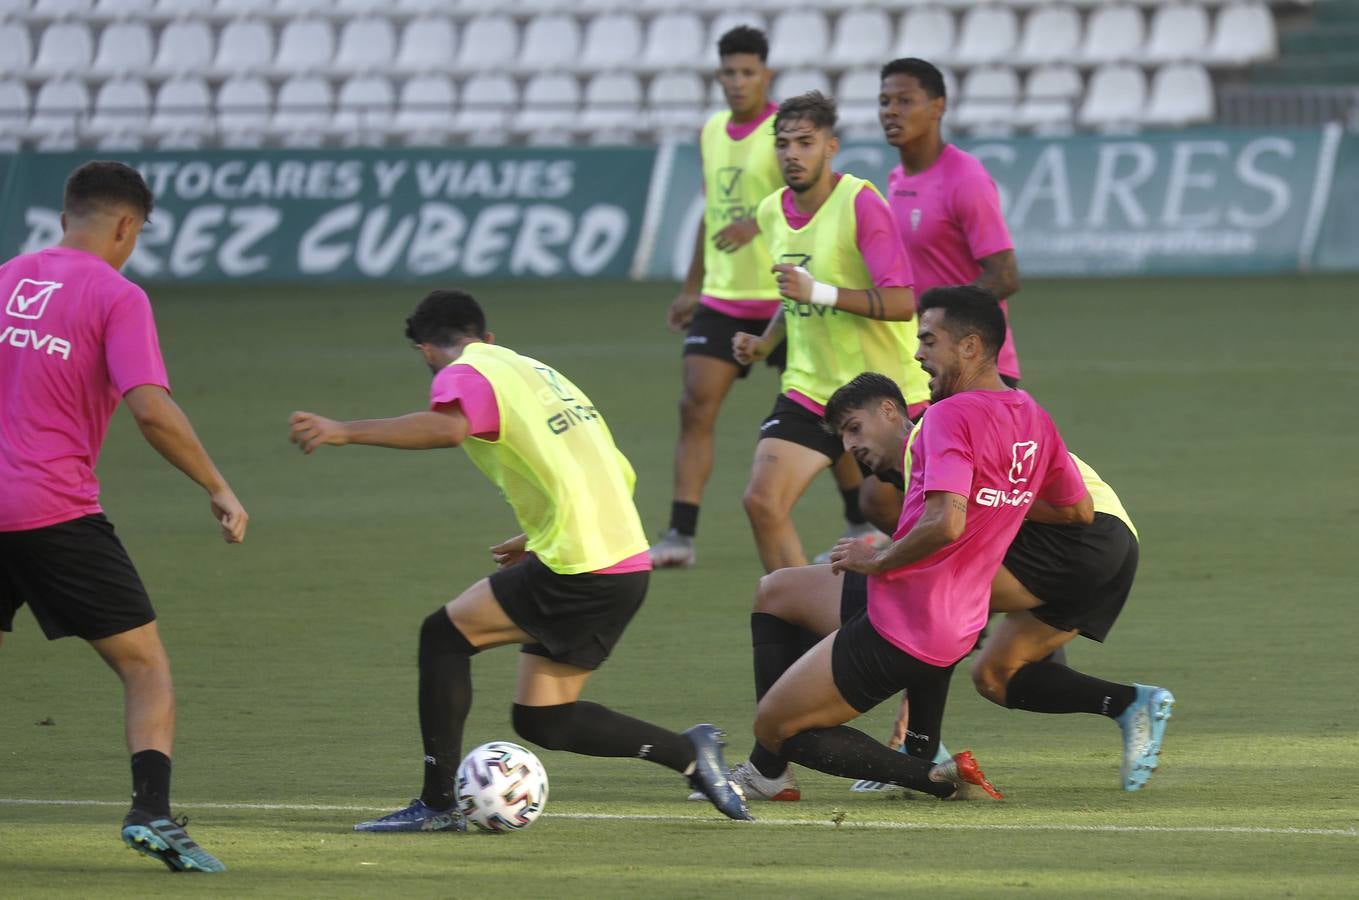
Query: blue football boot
<point>165,839</point>
<point>417,817</point>
<point>1144,726</point>
<point>710,773</point>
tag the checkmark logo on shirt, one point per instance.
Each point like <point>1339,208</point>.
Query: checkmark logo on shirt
<point>29,300</point>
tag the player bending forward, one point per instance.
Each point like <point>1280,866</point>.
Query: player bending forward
<point>566,588</point>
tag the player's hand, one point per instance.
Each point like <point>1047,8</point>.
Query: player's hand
<point>507,553</point>
<point>795,282</point>
<point>229,513</point>
<point>309,431</point>
<point>853,555</point>
<point>903,721</point>
<point>681,311</point>
<point>748,349</point>
<point>736,235</point>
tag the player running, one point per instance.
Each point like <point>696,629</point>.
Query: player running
<point>566,588</point>
<point>79,337</point>
<point>846,287</point>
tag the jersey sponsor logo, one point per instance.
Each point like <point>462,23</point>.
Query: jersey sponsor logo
<point>28,339</point>
<point>29,300</point>
<point>728,177</point>
<point>570,417</point>
<point>996,497</point>
<point>1023,455</point>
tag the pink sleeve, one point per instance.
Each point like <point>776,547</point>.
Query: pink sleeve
<point>131,347</point>
<point>948,453</point>
<point>1063,484</point>
<point>976,208</point>
<point>465,386</point>
<point>879,242</point>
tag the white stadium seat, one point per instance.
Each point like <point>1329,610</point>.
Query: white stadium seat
<point>1051,34</point>
<point>860,34</point>
<point>18,56</point>
<point>182,116</point>
<point>612,41</point>
<point>121,111</point>
<point>800,81</point>
<point>232,8</point>
<point>182,9</point>
<point>1115,97</point>
<point>613,108</point>
<point>675,104</point>
<point>13,114</point>
<point>798,38</point>
<point>1244,34</point>
<point>59,9</point>
<point>989,34</point>
<point>124,47</point>
<point>366,45</point>
<point>305,45</point>
<point>58,111</point>
<point>483,116</point>
<point>245,46</point>
<point>361,8</point>
<point>1113,34</point>
<point>64,48</point>
<point>550,42</point>
<point>488,42</point>
<point>1181,94</point>
<point>989,101</point>
<point>300,9</point>
<point>1050,96</point>
<point>725,21</point>
<point>243,108</point>
<point>549,110</point>
<point>302,112</point>
<point>927,33</point>
<point>184,48</point>
<point>364,111</point>
<point>856,94</point>
<point>425,114</point>
<point>427,45</point>
<point>118,10</point>
<point>1178,32</point>
<point>675,39</point>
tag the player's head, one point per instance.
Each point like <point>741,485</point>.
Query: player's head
<point>961,330</point>
<point>869,414</point>
<point>443,324</point>
<point>911,100</point>
<point>804,139</point>
<point>742,53</point>
<point>104,207</point>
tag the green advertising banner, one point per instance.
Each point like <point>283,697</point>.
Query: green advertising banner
<point>1186,202</point>
<point>361,214</point>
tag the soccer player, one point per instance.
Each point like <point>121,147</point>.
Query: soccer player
<point>846,286</point>
<point>984,455</point>
<point>566,588</point>
<point>78,337</point>
<point>730,287</point>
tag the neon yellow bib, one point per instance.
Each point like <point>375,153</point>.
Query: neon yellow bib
<point>827,347</point>
<point>555,463</point>
<point>737,175</point>
<point>1103,496</point>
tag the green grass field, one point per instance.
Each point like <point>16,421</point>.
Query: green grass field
<point>1223,411</point>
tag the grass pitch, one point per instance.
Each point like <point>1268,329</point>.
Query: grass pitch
<point>1222,411</point>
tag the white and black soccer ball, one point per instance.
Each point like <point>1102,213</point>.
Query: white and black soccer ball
<point>501,787</point>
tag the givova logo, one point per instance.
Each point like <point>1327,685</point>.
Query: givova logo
<point>728,177</point>
<point>29,300</point>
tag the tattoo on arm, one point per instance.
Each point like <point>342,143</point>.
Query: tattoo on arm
<point>960,504</point>
<point>876,307</point>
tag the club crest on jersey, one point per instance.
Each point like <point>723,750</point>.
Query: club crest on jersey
<point>1022,457</point>
<point>29,300</point>
<point>727,179</point>
<point>915,219</point>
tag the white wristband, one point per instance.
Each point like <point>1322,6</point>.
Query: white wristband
<point>822,294</point>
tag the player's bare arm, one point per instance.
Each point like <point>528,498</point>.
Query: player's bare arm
<point>750,348</point>
<point>429,430</point>
<point>1082,513</point>
<point>939,525</point>
<point>999,274</point>
<point>888,304</point>
<point>736,235</point>
<point>681,311</point>
<point>168,430</point>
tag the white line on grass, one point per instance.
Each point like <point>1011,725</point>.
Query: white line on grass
<point>850,823</point>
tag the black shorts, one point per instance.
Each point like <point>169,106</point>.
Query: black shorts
<point>853,595</point>
<point>792,422</point>
<point>710,333</point>
<point>1082,573</point>
<point>867,669</point>
<point>573,619</point>
<point>75,576</point>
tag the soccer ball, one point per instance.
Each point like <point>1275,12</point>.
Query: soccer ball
<point>501,787</point>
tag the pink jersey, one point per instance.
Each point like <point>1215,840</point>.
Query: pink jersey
<point>75,336</point>
<point>1000,450</point>
<point>474,395</point>
<point>949,218</point>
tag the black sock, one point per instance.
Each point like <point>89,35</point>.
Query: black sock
<point>850,753</point>
<point>684,518</point>
<point>594,730</point>
<point>777,645</point>
<point>151,782</point>
<point>1050,688</point>
<point>445,699</point>
<point>853,514</point>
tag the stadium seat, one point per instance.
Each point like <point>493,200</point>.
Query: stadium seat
<point>361,8</point>
<point>184,48</point>
<point>427,7</point>
<point>989,101</point>
<point>18,56</point>
<point>13,114</point>
<point>551,42</point>
<point>798,37</point>
<point>17,9</point>
<point>425,113</point>
<point>1178,32</point>
<point>488,42</point>
<point>1050,96</point>
<point>1244,34</point>
<point>300,9</point>
<point>988,35</point>
<point>1114,98</point>
<point>860,34</point>
<point>675,40</point>
<point>1181,94</point>
<point>613,108</point>
<point>237,8</point>
<point>124,47</point>
<point>58,110</point>
<point>243,107</point>
<point>182,9</point>
<point>856,95</point>
<point>363,111</point>
<point>182,116</point>
<point>118,10</point>
<point>366,45</point>
<point>675,104</point>
<point>612,41</point>
<point>928,33</point>
<point>121,110</point>
<point>305,45</point>
<point>483,116</point>
<point>549,112</point>
<point>800,81</point>
<point>245,46</point>
<point>302,112</point>
<point>725,21</point>
<point>64,48</point>
<point>59,9</point>
<point>427,44</point>
<point>1113,34</point>
<point>1051,34</point>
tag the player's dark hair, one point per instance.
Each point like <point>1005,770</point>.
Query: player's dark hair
<point>868,389</point>
<point>744,39</point>
<point>104,183</point>
<point>813,106</point>
<point>968,309</point>
<point>930,78</point>
<point>445,316</point>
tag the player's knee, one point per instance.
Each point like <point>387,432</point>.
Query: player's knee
<point>439,637</point>
<point>990,680</point>
<point>697,410</point>
<point>547,726</point>
<point>762,507</point>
